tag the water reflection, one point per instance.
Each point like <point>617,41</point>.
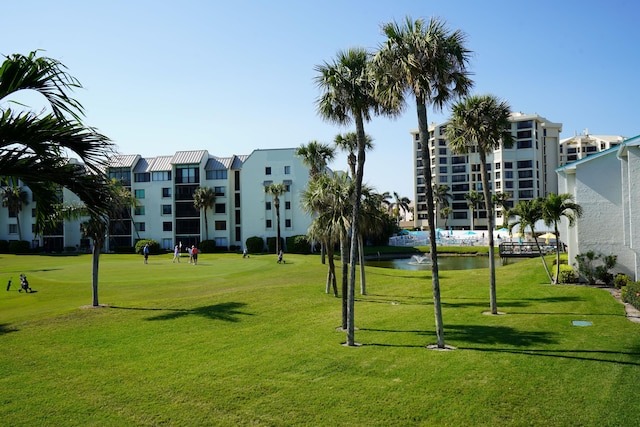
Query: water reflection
<point>444,262</point>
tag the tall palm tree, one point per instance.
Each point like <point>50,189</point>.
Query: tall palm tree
<point>441,196</point>
<point>445,213</point>
<point>373,221</point>
<point>276,191</point>
<point>316,155</point>
<point>400,203</point>
<point>527,213</point>
<point>554,208</point>
<point>501,200</point>
<point>204,198</point>
<point>429,62</point>
<point>481,123</point>
<point>349,95</point>
<point>348,142</point>
<point>32,144</point>
<point>14,198</point>
<point>474,201</point>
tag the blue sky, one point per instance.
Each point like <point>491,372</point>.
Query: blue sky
<point>231,77</point>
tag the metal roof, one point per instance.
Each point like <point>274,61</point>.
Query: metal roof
<point>161,164</point>
<point>188,157</point>
<point>238,161</point>
<point>123,161</point>
<point>142,165</point>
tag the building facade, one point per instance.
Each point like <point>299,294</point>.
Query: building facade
<point>580,146</point>
<point>525,171</point>
<point>164,186</point>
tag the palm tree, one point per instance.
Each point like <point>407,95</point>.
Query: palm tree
<point>430,62</point>
<point>474,200</point>
<point>441,195</point>
<point>554,207</point>
<point>373,220</point>
<point>445,213</point>
<point>32,144</point>
<point>14,198</point>
<point>348,142</point>
<point>276,190</point>
<point>401,203</point>
<point>501,200</point>
<point>203,199</point>
<point>481,123</point>
<point>316,155</point>
<point>349,95</point>
<point>527,213</point>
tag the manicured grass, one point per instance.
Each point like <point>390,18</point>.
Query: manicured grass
<point>236,341</point>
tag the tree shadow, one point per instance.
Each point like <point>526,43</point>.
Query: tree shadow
<point>479,334</point>
<point>589,355</point>
<point>5,329</point>
<point>228,312</point>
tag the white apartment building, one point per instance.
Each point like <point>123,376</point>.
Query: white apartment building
<point>525,171</point>
<point>580,146</point>
<point>163,187</point>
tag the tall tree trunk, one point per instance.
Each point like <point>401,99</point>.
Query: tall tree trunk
<point>94,274</point>
<point>345,279</point>
<point>426,163</point>
<point>206,225</point>
<point>331,274</point>
<point>363,279</point>
<point>488,204</point>
<point>556,279</point>
<point>277,206</point>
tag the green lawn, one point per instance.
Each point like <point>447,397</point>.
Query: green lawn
<point>236,341</point>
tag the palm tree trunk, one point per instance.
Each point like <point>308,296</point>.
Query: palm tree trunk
<point>426,162</point>
<point>206,224</point>
<point>345,279</point>
<point>94,274</point>
<point>555,280</point>
<point>18,225</point>
<point>363,280</point>
<point>277,205</point>
<point>493,301</point>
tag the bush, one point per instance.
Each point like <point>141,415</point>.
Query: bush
<point>631,294</point>
<point>4,246</point>
<point>19,247</point>
<point>255,244</point>
<point>209,246</point>
<point>298,244</point>
<point>154,247</point>
<point>621,280</point>
<point>567,275</point>
<point>595,267</point>
<point>271,244</point>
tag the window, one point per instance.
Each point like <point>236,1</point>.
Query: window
<point>287,205</point>
<point>237,200</point>
<point>161,176</point>
<point>166,209</point>
<point>525,124</point>
<point>523,164</point>
<point>442,151</point>
<point>443,160</point>
<point>139,210</point>
<point>167,226</point>
<point>526,184</point>
<point>525,174</point>
<point>140,226</point>
<point>508,174</point>
<point>267,183</point>
<point>216,174</point>
<point>287,223</point>
<point>120,174</point>
<point>13,228</point>
<point>166,192</point>
<point>267,170</point>
<point>142,177</point>
<point>220,208</point>
<point>187,174</point>
<point>287,184</point>
<point>443,179</point>
<point>525,194</point>
<point>524,144</point>
<point>497,175</point>
<point>221,225</point>
<point>497,165</point>
<point>267,206</point>
<point>219,191</point>
<point>139,194</point>
<point>443,169</point>
<point>508,184</point>
<point>508,165</point>
<point>459,169</point>
<point>287,170</point>
<point>13,213</point>
<point>524,134</point>
<point>268,223</point>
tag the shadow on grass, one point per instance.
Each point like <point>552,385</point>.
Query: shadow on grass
<point>5,329</point>
<point>589,355</point>
<point>228,311</point>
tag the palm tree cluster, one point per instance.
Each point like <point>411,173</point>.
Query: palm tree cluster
<point>422,60</point>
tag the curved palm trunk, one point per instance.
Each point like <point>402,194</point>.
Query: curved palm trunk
<point>555,280</point>
<point>18,225</point>
<point>493,300</point>
<point>276,202</point>
<point>206,224</point>
<point>544,263</point>
<point>363,280</point>
<point>355,230</point>
<point>426,162</point>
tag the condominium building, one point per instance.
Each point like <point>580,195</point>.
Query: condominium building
<point>164,186</point>
<point>580,146</point>
<point>525,171</point>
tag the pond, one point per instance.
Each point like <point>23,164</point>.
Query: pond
<point>423,262</point>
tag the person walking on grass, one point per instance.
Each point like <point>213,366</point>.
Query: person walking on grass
<point>145,252</point>
<point>176,254</point>
<point>194,254</point>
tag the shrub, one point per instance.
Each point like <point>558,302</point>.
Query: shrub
<point>631,294</point>
<point>255,244</point>
<point>19,247</point>
<point>209,246</point>
<point>567,275</point>
<point>4,246</point>
<point>298,244</point>
<point>621,280</point>
<point>154,247</point>
<point>595,267</point>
